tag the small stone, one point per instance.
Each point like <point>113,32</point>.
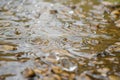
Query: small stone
<point>113,77</point>
<point>115,12</point>
<point>28,73</point>
<point>17,32</point>
<point>117,49</point>
<point>117,43</point>
<point>53,11</point>
<point>38,71</point>
<point>41,71</point>
<point>9,47</point>
<point>117,23</point>
<point>57,77</point>
<point>37,41</point>
<point>73,7</point>
<point>37,60</point>
<point>72,76</point>
<point>104,71</point>
<point>2,78</point>
<point>65,76</point>
<point>56,70</point>
<point>51,60</point>
<point>23,59</point>
<point>19,54</point>
<point>84,77</point>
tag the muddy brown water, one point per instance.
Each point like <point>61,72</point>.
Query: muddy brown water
<point>78,36</point>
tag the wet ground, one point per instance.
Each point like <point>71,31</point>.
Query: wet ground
<point>59,40</point>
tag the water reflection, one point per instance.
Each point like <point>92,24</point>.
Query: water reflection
<point>65,34</point>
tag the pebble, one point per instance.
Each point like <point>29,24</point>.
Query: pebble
<point>19,54</point>
<point>83,77</point>
<point>9,47</point>
<point>53,11</point>
<point>23,59</point>
<point>117,23</point>
<point>113,77</point>
<point>51,60</point>
<point>38,71</point>
<point>115,13</point>
<point>57,77</point>
<point>73,7</point>
<point>65,76</point>
<point>56,70</point>
<point>41,71</point>
<point>104,71</point>
<point>28,73</point>
<point>72,76</point>
<point>2,78</point>
<point>17,32</point>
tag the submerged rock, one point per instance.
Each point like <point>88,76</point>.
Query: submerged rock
<point>113,77</point>
<point>117,23</point>
<point>116,13</point>
<point>28,73</point>
<point>56,70</point>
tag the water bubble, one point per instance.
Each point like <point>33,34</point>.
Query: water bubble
<point>67,64</point>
